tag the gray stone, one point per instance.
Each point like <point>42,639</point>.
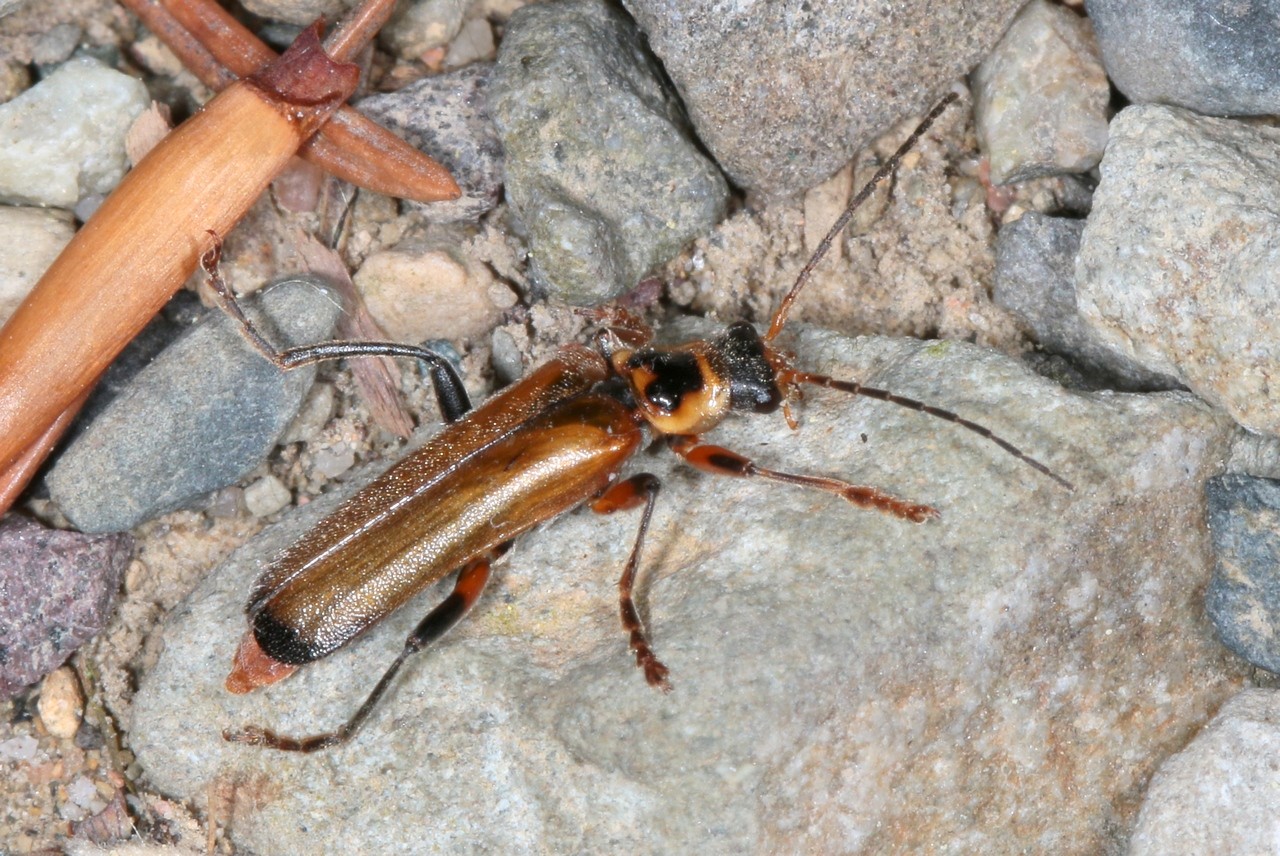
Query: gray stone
<point>420,25</point>
<point>300,12</point>
<point>201,416</point>
<point>1177,263</point>
<point>600,171</point>
<point>63,139</point>
<point>844,682</point>
<point>1041,98</point>
<point>447,116</point>
<point>1219,794</point>
<point>57,590</point>
<point>1243,600</point>
<point>30,239</point>
<point>57,45</point>
<point>1206,55</point>
<point>783,94</point>
<point>1035,277</point>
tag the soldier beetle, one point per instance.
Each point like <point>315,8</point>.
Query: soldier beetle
<point>554,440</point>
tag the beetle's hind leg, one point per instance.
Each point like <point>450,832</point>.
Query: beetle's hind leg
<point>626,494</point>
<point>720,461</point>
<point>451,395</point>
<point>467,587</point>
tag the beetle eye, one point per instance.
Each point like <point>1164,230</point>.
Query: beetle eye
<point>674,374</point>
<point>665,395</point>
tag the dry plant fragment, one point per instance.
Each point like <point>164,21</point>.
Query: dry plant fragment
<point>217,48</point>
<point>146,239</point>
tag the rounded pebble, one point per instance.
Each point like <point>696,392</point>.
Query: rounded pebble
<point>266,496</point>
<point>1041,97</point>
<point>63,139</point>
<point>61,703</point>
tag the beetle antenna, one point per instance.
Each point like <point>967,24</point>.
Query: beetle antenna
<point>780,316</point>
<point>794,377</point>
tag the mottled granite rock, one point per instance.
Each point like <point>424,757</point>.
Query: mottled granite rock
<point>1218,795</point>
<point>1177,263</point>
<point>57,590</point>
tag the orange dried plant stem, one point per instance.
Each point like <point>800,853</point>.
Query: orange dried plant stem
<point>351,146</point>
<point>145,240</point>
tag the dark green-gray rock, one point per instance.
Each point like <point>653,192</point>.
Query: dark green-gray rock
<point>200,417</point>
<point>601,172</point>
<point>1243,600</point>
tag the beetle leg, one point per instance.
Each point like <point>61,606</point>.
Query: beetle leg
<point>451,395</point>
<point>721,461</point>
<point>466,590</point>
<point>629,493</point>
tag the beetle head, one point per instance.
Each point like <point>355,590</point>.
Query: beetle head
<point>688,389</point>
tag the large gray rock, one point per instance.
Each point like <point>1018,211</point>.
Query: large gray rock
<point>783,93</point>
<point>1206,55</point>
<point>844,681</point>
<point>601,172</point>
<point>1035,277</point>
<point>1218,795</point>
<point>201,416</point>
<point>1177,263</point>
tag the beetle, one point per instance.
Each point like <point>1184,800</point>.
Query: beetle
<point>554,440</point>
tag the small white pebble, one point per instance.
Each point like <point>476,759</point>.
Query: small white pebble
<point>333,461</point>
<point>61,703</point>
<point>266,496</point>
<point>18,749</point>
<point>84,793</point>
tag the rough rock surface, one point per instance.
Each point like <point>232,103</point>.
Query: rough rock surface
<point>447,116</point>
<point>1035,277</point>
<point>200,417</point>
<point>1212,57</point>
<point>783,94</point>
<point>1243,600</point>
<point>63,139</point>
<point>1178,258</point>
<point>1007,676</point>
<point>33,237</point>
<point>1041,98</point>
<point>1219,794</point>
<point>600,170</point>
<point>57,590</point>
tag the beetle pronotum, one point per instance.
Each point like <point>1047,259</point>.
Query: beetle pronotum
<point>552,441</point>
